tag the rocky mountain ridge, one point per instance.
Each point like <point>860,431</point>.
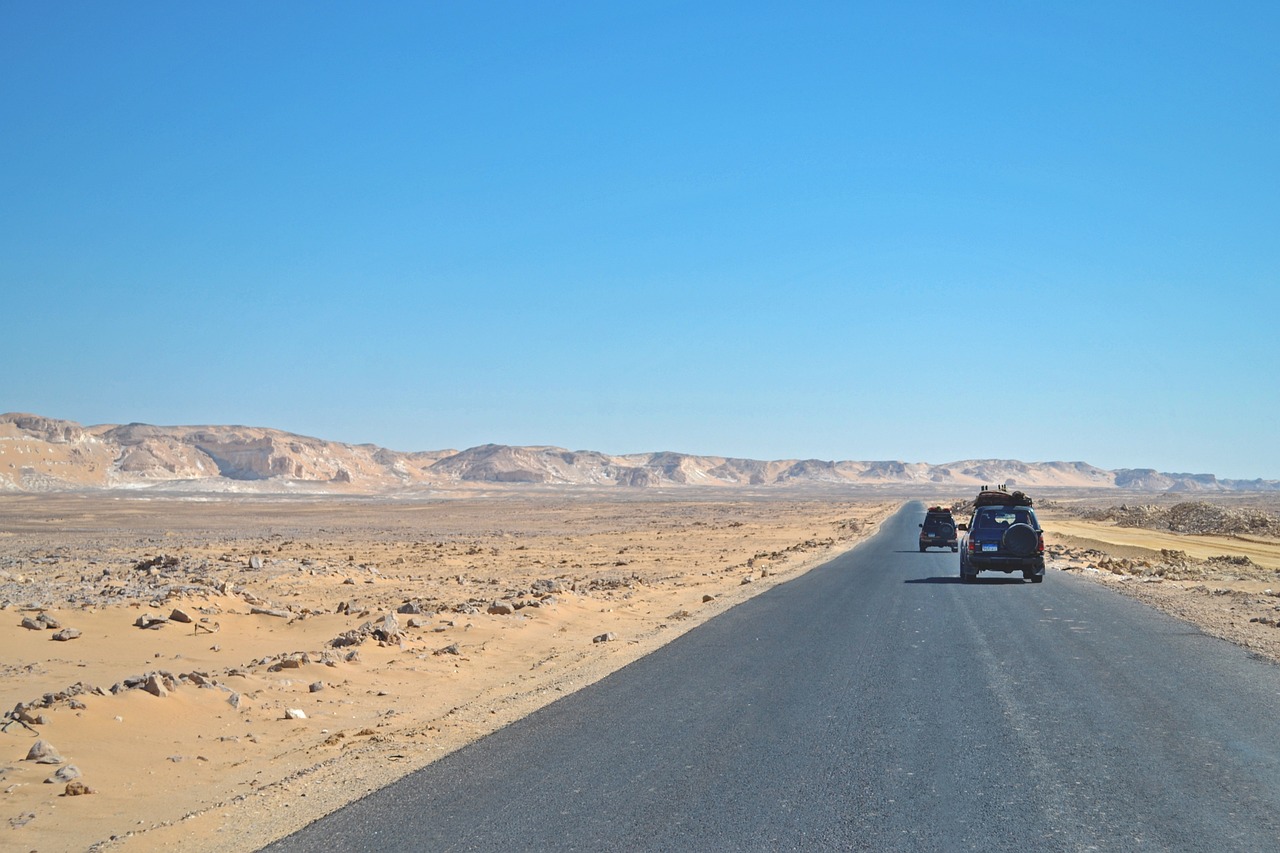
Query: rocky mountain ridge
<point>46,454</point>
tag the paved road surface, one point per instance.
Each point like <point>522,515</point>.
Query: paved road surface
<point>875,703</point>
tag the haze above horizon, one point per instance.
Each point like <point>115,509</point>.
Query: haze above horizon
<point>918,232</point>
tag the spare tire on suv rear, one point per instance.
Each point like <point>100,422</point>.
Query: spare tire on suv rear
<point>1020,540</point>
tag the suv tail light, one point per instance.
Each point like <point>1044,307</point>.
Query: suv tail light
<point>1040,542</point>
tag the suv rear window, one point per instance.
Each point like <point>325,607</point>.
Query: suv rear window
<point>992,518</point>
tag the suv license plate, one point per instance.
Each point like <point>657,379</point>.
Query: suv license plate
<point>990,546</point>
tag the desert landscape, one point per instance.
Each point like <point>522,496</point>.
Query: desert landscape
<point>217,660</point>
<point>378,378</point>
<point>220,672</point>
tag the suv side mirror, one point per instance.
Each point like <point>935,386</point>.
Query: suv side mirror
<point>963,527</point>
<point>919,525</point>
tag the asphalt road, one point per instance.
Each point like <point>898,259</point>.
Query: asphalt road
<point>876,703</point>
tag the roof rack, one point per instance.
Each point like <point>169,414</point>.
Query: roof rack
<point>1001,496</point>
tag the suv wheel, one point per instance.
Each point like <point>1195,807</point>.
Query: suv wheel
<point>1020,540</point>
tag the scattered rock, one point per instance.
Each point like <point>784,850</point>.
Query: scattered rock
<point>180,616</point>
<point>67,634</point>
<point>64,774</point>
<point>295,714</point>
<point>316,686</point>
<point>255,562</point>
<point>349,638</point>
<point>32,624</point>
<point>48,621</point>
<point>501,608</point>
<point>608,637</point>
<point>22,713</point>
<point>155,685</point>
<point>157,563</point>
<point>146,620</point>
<point>1195,517</point>
<point>451,649</point>
<point>43,752</point>
<point>270,611</point>
<point>76,788</point>
<point>387,629</point>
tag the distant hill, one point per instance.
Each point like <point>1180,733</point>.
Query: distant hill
<point>44,454</point>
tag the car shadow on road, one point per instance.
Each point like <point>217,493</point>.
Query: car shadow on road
<point>917,551</point>
<point>956,579</point>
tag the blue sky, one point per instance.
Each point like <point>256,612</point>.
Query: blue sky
<point>917,231</point>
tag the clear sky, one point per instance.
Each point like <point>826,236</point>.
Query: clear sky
<point>846,230</point>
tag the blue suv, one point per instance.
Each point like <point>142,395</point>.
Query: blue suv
<point>1002,535</point>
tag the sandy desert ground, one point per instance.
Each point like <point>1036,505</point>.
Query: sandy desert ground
<point>393,631</point>
<point>397,631</point>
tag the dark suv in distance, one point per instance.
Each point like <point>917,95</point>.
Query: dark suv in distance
<point>938,529</point>
<point>1003,535</point>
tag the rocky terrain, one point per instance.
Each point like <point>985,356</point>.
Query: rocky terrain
<point>207,673</point>
<point>1195,517</point>
<point>212,671</point>
<point>44,454</point>
<point>1214,564</point>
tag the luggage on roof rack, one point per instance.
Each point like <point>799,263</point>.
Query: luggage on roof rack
<point>1001,496</point>
<point>946,510</point>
